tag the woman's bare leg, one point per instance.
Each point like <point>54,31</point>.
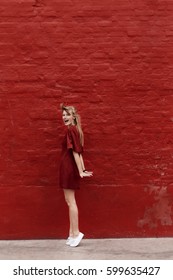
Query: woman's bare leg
<point>73,212</point>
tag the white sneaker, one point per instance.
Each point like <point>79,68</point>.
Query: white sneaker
<point>69,240</point>
<point>75,242</point>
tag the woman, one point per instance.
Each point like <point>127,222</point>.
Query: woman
<point>72,168</point>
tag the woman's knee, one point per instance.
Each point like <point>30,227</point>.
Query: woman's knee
<point>70,202</point>
<point>69,198</point>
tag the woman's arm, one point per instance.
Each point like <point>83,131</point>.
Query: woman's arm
<point>82,162</point>
<point>78,162</point>
<point>80,165</point>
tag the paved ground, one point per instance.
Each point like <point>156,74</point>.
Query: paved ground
<point>89,249</point>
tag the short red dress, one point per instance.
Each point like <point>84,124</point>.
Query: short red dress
<point>69,177</point>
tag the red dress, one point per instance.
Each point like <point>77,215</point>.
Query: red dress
<point>69,177</point>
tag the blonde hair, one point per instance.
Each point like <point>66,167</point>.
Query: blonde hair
<point>77,120</point>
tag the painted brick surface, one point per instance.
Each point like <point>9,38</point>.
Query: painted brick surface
<point>113,60</point>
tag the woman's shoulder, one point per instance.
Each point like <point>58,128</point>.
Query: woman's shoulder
<point>73,131</point>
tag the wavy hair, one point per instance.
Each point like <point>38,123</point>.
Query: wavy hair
<point>77,119</point>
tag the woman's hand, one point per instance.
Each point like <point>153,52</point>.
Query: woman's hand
<point>86,174</point>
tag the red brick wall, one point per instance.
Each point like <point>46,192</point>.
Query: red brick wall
<point>114,61</point>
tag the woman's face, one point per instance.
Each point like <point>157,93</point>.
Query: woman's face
<point>67,118</point>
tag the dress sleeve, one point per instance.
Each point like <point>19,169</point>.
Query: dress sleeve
<point>73,141</point>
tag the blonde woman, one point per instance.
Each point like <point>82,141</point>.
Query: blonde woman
<point>72,169</point>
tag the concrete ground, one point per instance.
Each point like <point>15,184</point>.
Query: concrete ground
<point>89,249</point>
